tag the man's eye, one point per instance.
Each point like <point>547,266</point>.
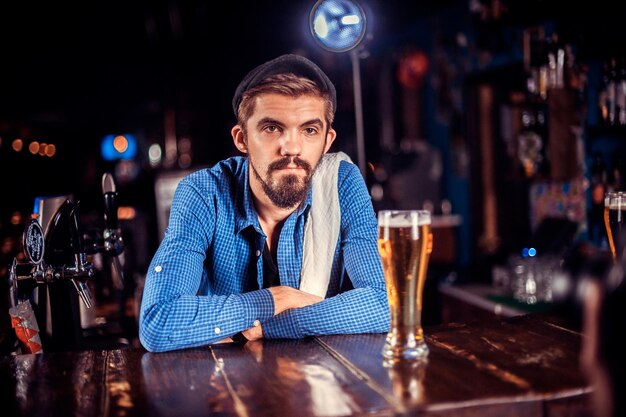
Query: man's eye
<point>311,131</point>
<point>271,128</point>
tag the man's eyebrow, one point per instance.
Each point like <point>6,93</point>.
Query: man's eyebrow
<point>317,122</point>
<point>269,120</point>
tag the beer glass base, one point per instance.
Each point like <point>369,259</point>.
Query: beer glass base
<point>420,351</point>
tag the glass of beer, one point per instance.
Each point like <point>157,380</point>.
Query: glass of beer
<point>614,212</point>
<point>405,244</point>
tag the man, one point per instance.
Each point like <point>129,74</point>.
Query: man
<point>259,247</point>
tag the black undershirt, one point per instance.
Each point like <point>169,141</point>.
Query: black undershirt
<point>270,270</point>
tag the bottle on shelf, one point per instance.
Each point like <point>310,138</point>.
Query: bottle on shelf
<point>530,145</point>
<point>607,97</point>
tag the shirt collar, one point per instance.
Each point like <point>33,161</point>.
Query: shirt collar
<point>249,216</point>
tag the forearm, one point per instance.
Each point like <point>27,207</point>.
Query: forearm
<point>361,310</point>
<point>191,320</point>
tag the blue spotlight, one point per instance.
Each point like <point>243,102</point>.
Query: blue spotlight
<point>337,25</point>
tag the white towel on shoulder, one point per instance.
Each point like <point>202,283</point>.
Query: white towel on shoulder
<point>321,230</point>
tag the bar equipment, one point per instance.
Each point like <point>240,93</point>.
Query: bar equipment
<point>531,277</point>
<point>113,245</point>
<point>58,270</point>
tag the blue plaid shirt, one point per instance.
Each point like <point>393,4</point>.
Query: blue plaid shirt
<point>205,282</point>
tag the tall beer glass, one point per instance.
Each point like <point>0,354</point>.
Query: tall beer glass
<point>405,244</point>
<point>614,220</point>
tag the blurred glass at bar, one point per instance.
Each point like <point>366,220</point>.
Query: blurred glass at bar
<point>531,277</point>
<point>614,211</point>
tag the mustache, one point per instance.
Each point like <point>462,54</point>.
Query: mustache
<point>286,161</point>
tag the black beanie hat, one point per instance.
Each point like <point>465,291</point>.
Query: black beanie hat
<point>289,63</point>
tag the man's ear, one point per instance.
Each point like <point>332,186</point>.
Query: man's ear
<point>238,138</point>
<point>330,138</point>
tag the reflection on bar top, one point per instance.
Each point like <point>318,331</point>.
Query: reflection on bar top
<point>479,295</point>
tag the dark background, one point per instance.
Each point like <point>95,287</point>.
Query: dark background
<point>72,72</point>
<point>75,72</point>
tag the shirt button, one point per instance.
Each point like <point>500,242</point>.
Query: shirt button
<point>258,253</point>
<point>158,268</point>
<point>256,323</point>
<point>217,330</point>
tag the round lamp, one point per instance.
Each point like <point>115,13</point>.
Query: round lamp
<point>337,25</point>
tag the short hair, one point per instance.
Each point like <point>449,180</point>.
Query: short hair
<point>286,84</point>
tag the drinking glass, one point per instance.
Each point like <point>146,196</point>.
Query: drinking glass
<point>614,212</point>
<point>405,245</point>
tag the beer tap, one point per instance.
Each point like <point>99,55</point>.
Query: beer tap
<point>82,269</point>
<point>66,263</point>
<point>112,234</point>
<point>108,241</point>
<point>42,273</point>
<point>55,258</point>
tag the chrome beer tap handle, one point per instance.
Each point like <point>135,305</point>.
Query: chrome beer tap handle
<point>83,291</point>
<point>82,270</point>
<point>13,290</point>
<point>112,234</point>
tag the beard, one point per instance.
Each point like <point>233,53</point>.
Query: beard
<point>289,190</point>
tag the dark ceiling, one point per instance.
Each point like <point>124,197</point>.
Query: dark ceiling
<point>115,62</point>
<point>81,63</point>
<point>72,72</point>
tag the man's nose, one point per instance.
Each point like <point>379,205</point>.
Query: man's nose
<point>291,144</point>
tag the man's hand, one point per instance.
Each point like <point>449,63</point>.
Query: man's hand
<point>286,297</point>
<point>254,333</point>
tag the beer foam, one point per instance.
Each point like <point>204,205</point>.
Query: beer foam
<point>615,200</point>
<point>618,205</point>
<point>391,218</point>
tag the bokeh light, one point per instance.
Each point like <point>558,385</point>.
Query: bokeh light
<point>17,145</point>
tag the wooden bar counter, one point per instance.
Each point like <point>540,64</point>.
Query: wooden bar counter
<point>520,366</point>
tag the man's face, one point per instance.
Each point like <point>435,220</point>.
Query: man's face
<point>285,140</point>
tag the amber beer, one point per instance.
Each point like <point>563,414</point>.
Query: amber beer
<point>614,219</point>
<point>405,244</point>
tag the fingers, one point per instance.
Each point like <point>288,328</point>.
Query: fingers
<point>287,297</point>
<point>253,333</point>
